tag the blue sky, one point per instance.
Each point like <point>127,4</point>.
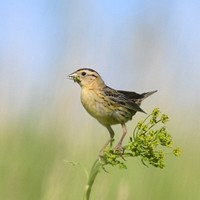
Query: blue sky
<point>42,41</point>
<point>39,30</point>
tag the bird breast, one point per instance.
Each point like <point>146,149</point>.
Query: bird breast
<point>101,108</point>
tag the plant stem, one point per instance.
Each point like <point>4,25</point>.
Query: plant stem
<point>92,175</point>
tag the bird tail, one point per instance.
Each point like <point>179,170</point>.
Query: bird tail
<point>147,94</point>
<point>144,96</point>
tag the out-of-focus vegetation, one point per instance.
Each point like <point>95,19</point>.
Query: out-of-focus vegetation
<point>33,166</point>
<point>134,45</point>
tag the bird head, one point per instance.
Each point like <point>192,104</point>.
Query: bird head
<point>87,78</point>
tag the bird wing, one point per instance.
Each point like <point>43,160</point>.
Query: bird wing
<point>131,95</point>
<point>124,99</point>
<point>137,98</point>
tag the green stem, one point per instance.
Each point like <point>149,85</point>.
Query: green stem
<point>154,124</point>
<point>93,173</point>
<point>136,129</point>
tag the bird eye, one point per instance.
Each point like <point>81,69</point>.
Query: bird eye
<point>83,73</point>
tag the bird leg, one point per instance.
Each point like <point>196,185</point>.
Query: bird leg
<point>119,145</point>
<point>110,141</point>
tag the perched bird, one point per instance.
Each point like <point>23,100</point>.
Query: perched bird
<point>107,105</point>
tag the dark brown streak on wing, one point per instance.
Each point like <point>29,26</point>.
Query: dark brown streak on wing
<point>131,95</point>
<point>122,99</point>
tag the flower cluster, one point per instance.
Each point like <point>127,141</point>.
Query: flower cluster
<point>149,138</point>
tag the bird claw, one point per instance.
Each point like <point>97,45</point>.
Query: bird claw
<point>119,150</point>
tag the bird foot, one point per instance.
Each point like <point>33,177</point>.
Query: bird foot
<point>119,150</point>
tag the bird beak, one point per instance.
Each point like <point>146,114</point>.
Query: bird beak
<point>74,77</point>
<point>71,76</point>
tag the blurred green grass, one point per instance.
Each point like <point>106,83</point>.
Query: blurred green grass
<point>32,166</point>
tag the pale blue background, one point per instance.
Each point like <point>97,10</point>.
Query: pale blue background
<point>42,41</point>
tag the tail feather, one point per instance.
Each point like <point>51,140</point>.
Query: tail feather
<point>147,94</point>
<point>136,99</point>
<point>144,96</point>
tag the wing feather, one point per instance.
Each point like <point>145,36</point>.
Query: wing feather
<point>120,97</point>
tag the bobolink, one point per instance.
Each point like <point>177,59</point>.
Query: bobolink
<point>107,105</point>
